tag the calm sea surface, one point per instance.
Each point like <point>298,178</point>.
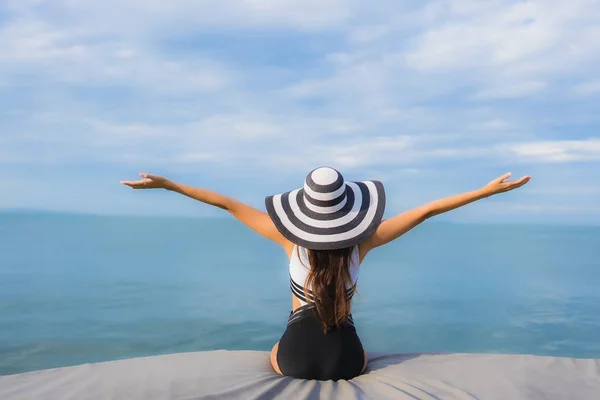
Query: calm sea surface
<point>78,289</point>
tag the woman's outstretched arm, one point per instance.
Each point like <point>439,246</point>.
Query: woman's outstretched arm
<point>395,227</point>
<point>257,220</point>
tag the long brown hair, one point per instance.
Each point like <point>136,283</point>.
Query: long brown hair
<point>328,278</point>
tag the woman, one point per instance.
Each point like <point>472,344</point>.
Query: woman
<point>327,227</point>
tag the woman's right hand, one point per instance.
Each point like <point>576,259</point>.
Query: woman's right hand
<point>150,182</point>
<point>501,185</point>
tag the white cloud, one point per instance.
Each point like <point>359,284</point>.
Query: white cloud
<point>346,154</point>
<point>588,88</point>
<point>498,49</point>
<point>493,125</point>
<point>568,190</point>
<point>31,40</point>
<point>558,151</point>
<point>492,50</point>
<point>224,127</point>
<point>402,153</point>
<point>42,52</point>
<point>513,35</point>
<point>137,16</point>
<point>511,90</point>
<point>289,142</point>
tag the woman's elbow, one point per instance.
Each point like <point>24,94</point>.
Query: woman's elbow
<point>424,214</point>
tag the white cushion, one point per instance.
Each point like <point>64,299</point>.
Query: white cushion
<point>248,375</point>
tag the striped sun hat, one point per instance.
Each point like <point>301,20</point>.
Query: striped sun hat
<point>328,213</point>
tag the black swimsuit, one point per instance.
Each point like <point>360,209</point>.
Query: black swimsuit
<point>306,352</point>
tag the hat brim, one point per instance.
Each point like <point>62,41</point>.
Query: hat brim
<point>355,222</point>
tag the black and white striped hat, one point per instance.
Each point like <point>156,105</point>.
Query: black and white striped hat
<point>328,213</point>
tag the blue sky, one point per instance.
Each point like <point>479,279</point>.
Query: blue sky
<point>246,96</point>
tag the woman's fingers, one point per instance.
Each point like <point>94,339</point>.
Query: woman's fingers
<point>137,184</point>
<point>151,176</point>
<point>133,182</point>
<point>518,183</point>
<point>521,181</point>
<point>504,177</point>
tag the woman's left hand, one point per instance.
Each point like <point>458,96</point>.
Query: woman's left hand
<point>150,182</point>
<point>501,185</point>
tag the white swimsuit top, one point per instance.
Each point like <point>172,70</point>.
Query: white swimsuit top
<point>299,269</point>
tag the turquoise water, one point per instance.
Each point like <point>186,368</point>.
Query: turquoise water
<point>77,289</point>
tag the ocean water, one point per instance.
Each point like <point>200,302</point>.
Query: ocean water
<point>77,289</point>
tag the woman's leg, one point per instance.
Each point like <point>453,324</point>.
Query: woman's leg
<point>274,358</point>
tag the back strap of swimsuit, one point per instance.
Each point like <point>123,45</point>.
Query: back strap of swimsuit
<point>303,311</point>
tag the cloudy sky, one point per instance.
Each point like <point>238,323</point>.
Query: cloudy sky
<point>246,96</point>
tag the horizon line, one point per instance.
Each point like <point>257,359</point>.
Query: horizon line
<point>25,211</point>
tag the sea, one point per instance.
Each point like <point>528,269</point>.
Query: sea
<point>78,289</point>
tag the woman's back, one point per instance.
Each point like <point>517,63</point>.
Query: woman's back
<point>322,284</point>
<point>300,269</point>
